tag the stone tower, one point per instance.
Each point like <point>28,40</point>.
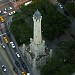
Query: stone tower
<point>37,27</point>
<point>37,45</point>
<point>36,52</point>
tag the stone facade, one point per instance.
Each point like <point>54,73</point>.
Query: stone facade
<point>36,52</point>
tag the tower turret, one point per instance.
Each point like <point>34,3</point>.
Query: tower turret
<point>37,37</point>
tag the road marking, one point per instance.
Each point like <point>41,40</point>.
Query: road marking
<point>7,60</point>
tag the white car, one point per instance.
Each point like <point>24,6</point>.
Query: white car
<point>12,44</point>
<point>4,68</point>
<point>9,8</point>
<point>4,12</point>
<point>5,9</point>
<point>0,11</point>
<point>3,46</point>
<point>17,54</point>
<point>11,13</point>
<point>28,73</point>
<point>60,5</point>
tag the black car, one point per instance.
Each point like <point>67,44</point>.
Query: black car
<point>17,63</point>
<point>23,65</point>
<point>8,33</point>
<point>66,13</point>
<point>14,68</point>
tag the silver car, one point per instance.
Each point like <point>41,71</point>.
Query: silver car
<point>3,46</point>
<point>60,5</point>
<point>3,68</point>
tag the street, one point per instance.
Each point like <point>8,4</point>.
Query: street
<point>10,52</point>
<point>4,61</point>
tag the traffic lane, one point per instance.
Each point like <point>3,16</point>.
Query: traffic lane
<point>3,1</point>
<point>9,51</point>
<point>9,54</point>
<point>12,51</point>
<point>29,68</point>
<point>4,73</point>
<point>16,59</point>
<point>6,61</point>
<point>8,21</point>
<point>12,60</point>
<point>3,27</point>
<point>2,63</point>
<point>16,45</point>
<point>3,30</point>
<point>1,72</point>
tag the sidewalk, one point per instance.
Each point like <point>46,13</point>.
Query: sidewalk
<point>21,2</point>
<point>4,4</point>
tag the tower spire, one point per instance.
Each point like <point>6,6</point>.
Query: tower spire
<point>37,27</point>
<point>37,15</point>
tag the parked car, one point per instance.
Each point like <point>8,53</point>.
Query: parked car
<point>12,44</point>
<point>3,68</point>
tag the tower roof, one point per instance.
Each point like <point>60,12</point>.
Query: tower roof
<point>37,15</point>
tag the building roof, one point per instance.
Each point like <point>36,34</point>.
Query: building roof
<point>37,14</point>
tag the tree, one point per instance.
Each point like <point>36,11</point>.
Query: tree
<point>21,31</point>
<point>66,51</point>
<point>62,61</point>
<point>53,22</point>
<point>63,1</point>
<point>71,8</point>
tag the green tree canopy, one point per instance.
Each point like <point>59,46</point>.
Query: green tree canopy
<point>53,22</point>
<point>62,61</point>
<point>21,31</point>
<point>71,8</point>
